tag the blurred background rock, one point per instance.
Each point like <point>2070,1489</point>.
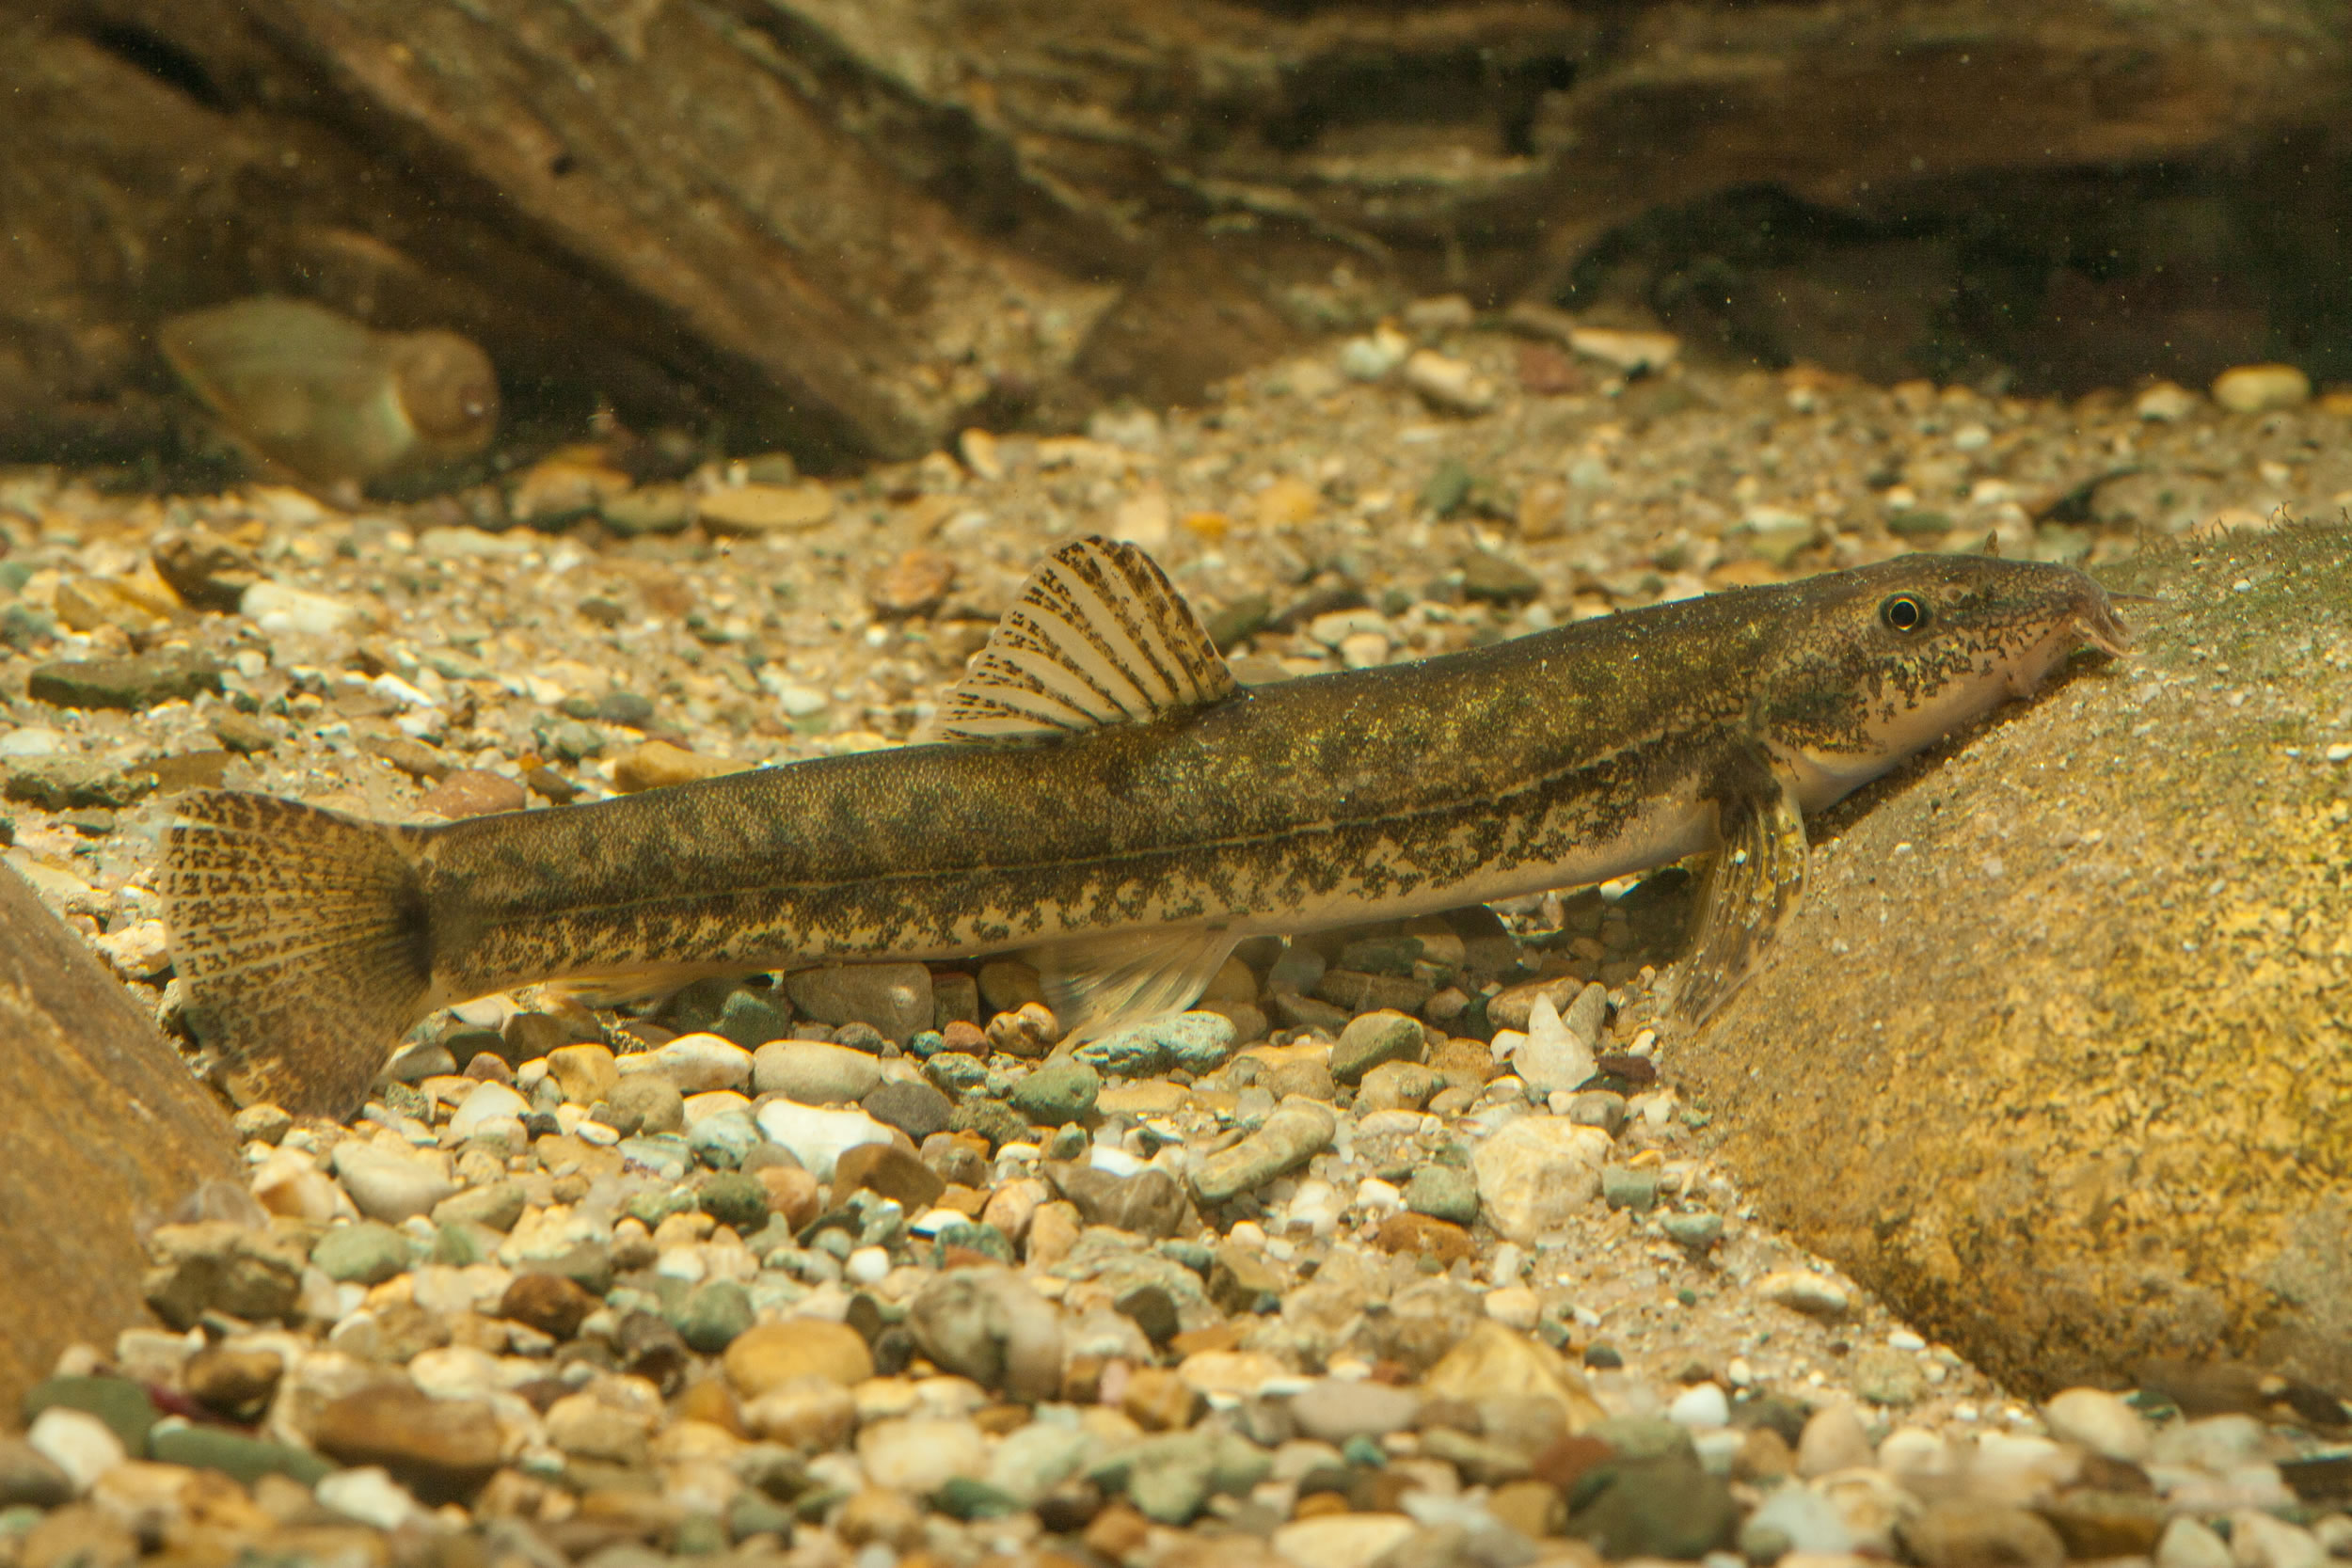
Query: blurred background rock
<point>849,230</point>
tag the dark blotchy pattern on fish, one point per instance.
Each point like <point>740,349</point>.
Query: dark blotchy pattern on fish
<point>1364,794</point>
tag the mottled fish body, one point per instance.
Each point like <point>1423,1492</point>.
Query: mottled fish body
<point>1104,800</point>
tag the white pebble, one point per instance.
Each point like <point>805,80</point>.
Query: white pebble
<point>1903,1338</point>
<point>2259,1541</point>
<point>2100,1421</point>
<point>276,610</point>
<point>76,1442</point>
<point>868,1265</point>
<point>1377,1195</point>
<point>1513,1307</point>
<point>369,1496</point>
<point>2186,1542</point>
<point>1702,1405</point>
<point>488,1102</point>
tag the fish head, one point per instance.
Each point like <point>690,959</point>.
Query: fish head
<point>1890,658</point>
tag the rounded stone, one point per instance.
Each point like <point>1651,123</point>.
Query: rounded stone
<point>915,1108</point>
<point>814,1073</point>
<point>1056,1096</point>
<point>645,1102</point>
<point>2093,919</point>
<point>1372,1038</point>
<point>769,1356</point>
<point>368,1253</point>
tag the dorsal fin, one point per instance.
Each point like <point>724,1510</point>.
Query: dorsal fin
<point>1099,636</point>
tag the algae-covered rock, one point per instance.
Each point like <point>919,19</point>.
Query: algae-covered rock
<point>2057,1057</point>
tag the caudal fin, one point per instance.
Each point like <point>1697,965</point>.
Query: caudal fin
<point>302,940</point>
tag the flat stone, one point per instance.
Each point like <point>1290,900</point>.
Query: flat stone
<point>815,1073</point>
<point>30,1479</point>
<point>441,1450</point>
<point>1341,1539</point>
<point>2260,388</point>
<point>1294,1134</point>
<point>818,1137</point>
<point>140,681</point>
<point>75,1187</point>
<point>1536,1173</point>
<point>1332,1410</point>
<point>1447,1192</point>
<point>1196,1042</point>
<point>368,1253</point>
<point>895,998</point>
<point>243,1459</point>
<point>1491,1361</point>
<point>1149,1203</point>
<point>694,1064</point>
<point>1976,1535</point>
<point>915,1108</point>
<point>1801,1291</point>
<point>496,1206</point>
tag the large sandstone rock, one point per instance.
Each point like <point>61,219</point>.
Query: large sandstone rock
<point>104,1128</point>
<point>2059,1056</point>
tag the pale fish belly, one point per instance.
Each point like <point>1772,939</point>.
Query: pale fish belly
<point>1679,824</point>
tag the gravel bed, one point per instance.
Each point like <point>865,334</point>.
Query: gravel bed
<point>1396,1250</point>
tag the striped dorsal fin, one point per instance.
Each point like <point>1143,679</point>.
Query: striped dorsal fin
<point>1098,637</point>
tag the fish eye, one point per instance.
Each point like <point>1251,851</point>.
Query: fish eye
<point>1904,613</point>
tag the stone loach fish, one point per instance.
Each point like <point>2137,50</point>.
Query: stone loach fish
<point>1100,795</point>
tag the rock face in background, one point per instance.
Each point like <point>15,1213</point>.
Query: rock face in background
<point>2119,1130</point>
<point>105,1129</point>
<point>852,228</point>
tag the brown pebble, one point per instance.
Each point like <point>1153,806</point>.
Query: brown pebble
<point>1029,1032</point>
<point>548,1302</point>
<point>1426,1237</point>
<point>998,1419</point>
<point>237,1384</point>
<point>1117,1532</point>
<point>473,792</point>
<point>1158,1399</point>
<point>709,1401</point>
<point>488,1069</point>
<point>1316,1504</point>
<point>887,1169</point>
<point>1530,1507</point>
<point>792,1193</point>
<point>1565,1462</point>
<point>441,1450</point>
<point>962,1034</point>
<point>877,1515</point>
<point>912,585</point>
<point>1978,1535</point>
<point>768,1356</point>
<point>659,764</point>
<point>1764,1455</point>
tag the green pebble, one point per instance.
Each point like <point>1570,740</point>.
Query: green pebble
<point>714,1314</point>
<point>751,1021</point>
<point>1444,1192</point>
<point>119,1402</point>
<point>700,1535</point>
<point>736,1201</point>
<point>1364,1452</point>
<point>992,1119</point>
<point>368,1253</point>
<point>964,1498</point>
<point>1058,1096</point>
<point>243,1459</point>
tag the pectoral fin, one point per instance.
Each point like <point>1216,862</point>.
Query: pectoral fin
<point>1753,888</point>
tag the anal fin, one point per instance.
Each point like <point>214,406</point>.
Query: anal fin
<point>1099,984</point>
<point>1753,888</point>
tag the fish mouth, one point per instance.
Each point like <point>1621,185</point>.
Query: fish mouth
<point>2096,623</point>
